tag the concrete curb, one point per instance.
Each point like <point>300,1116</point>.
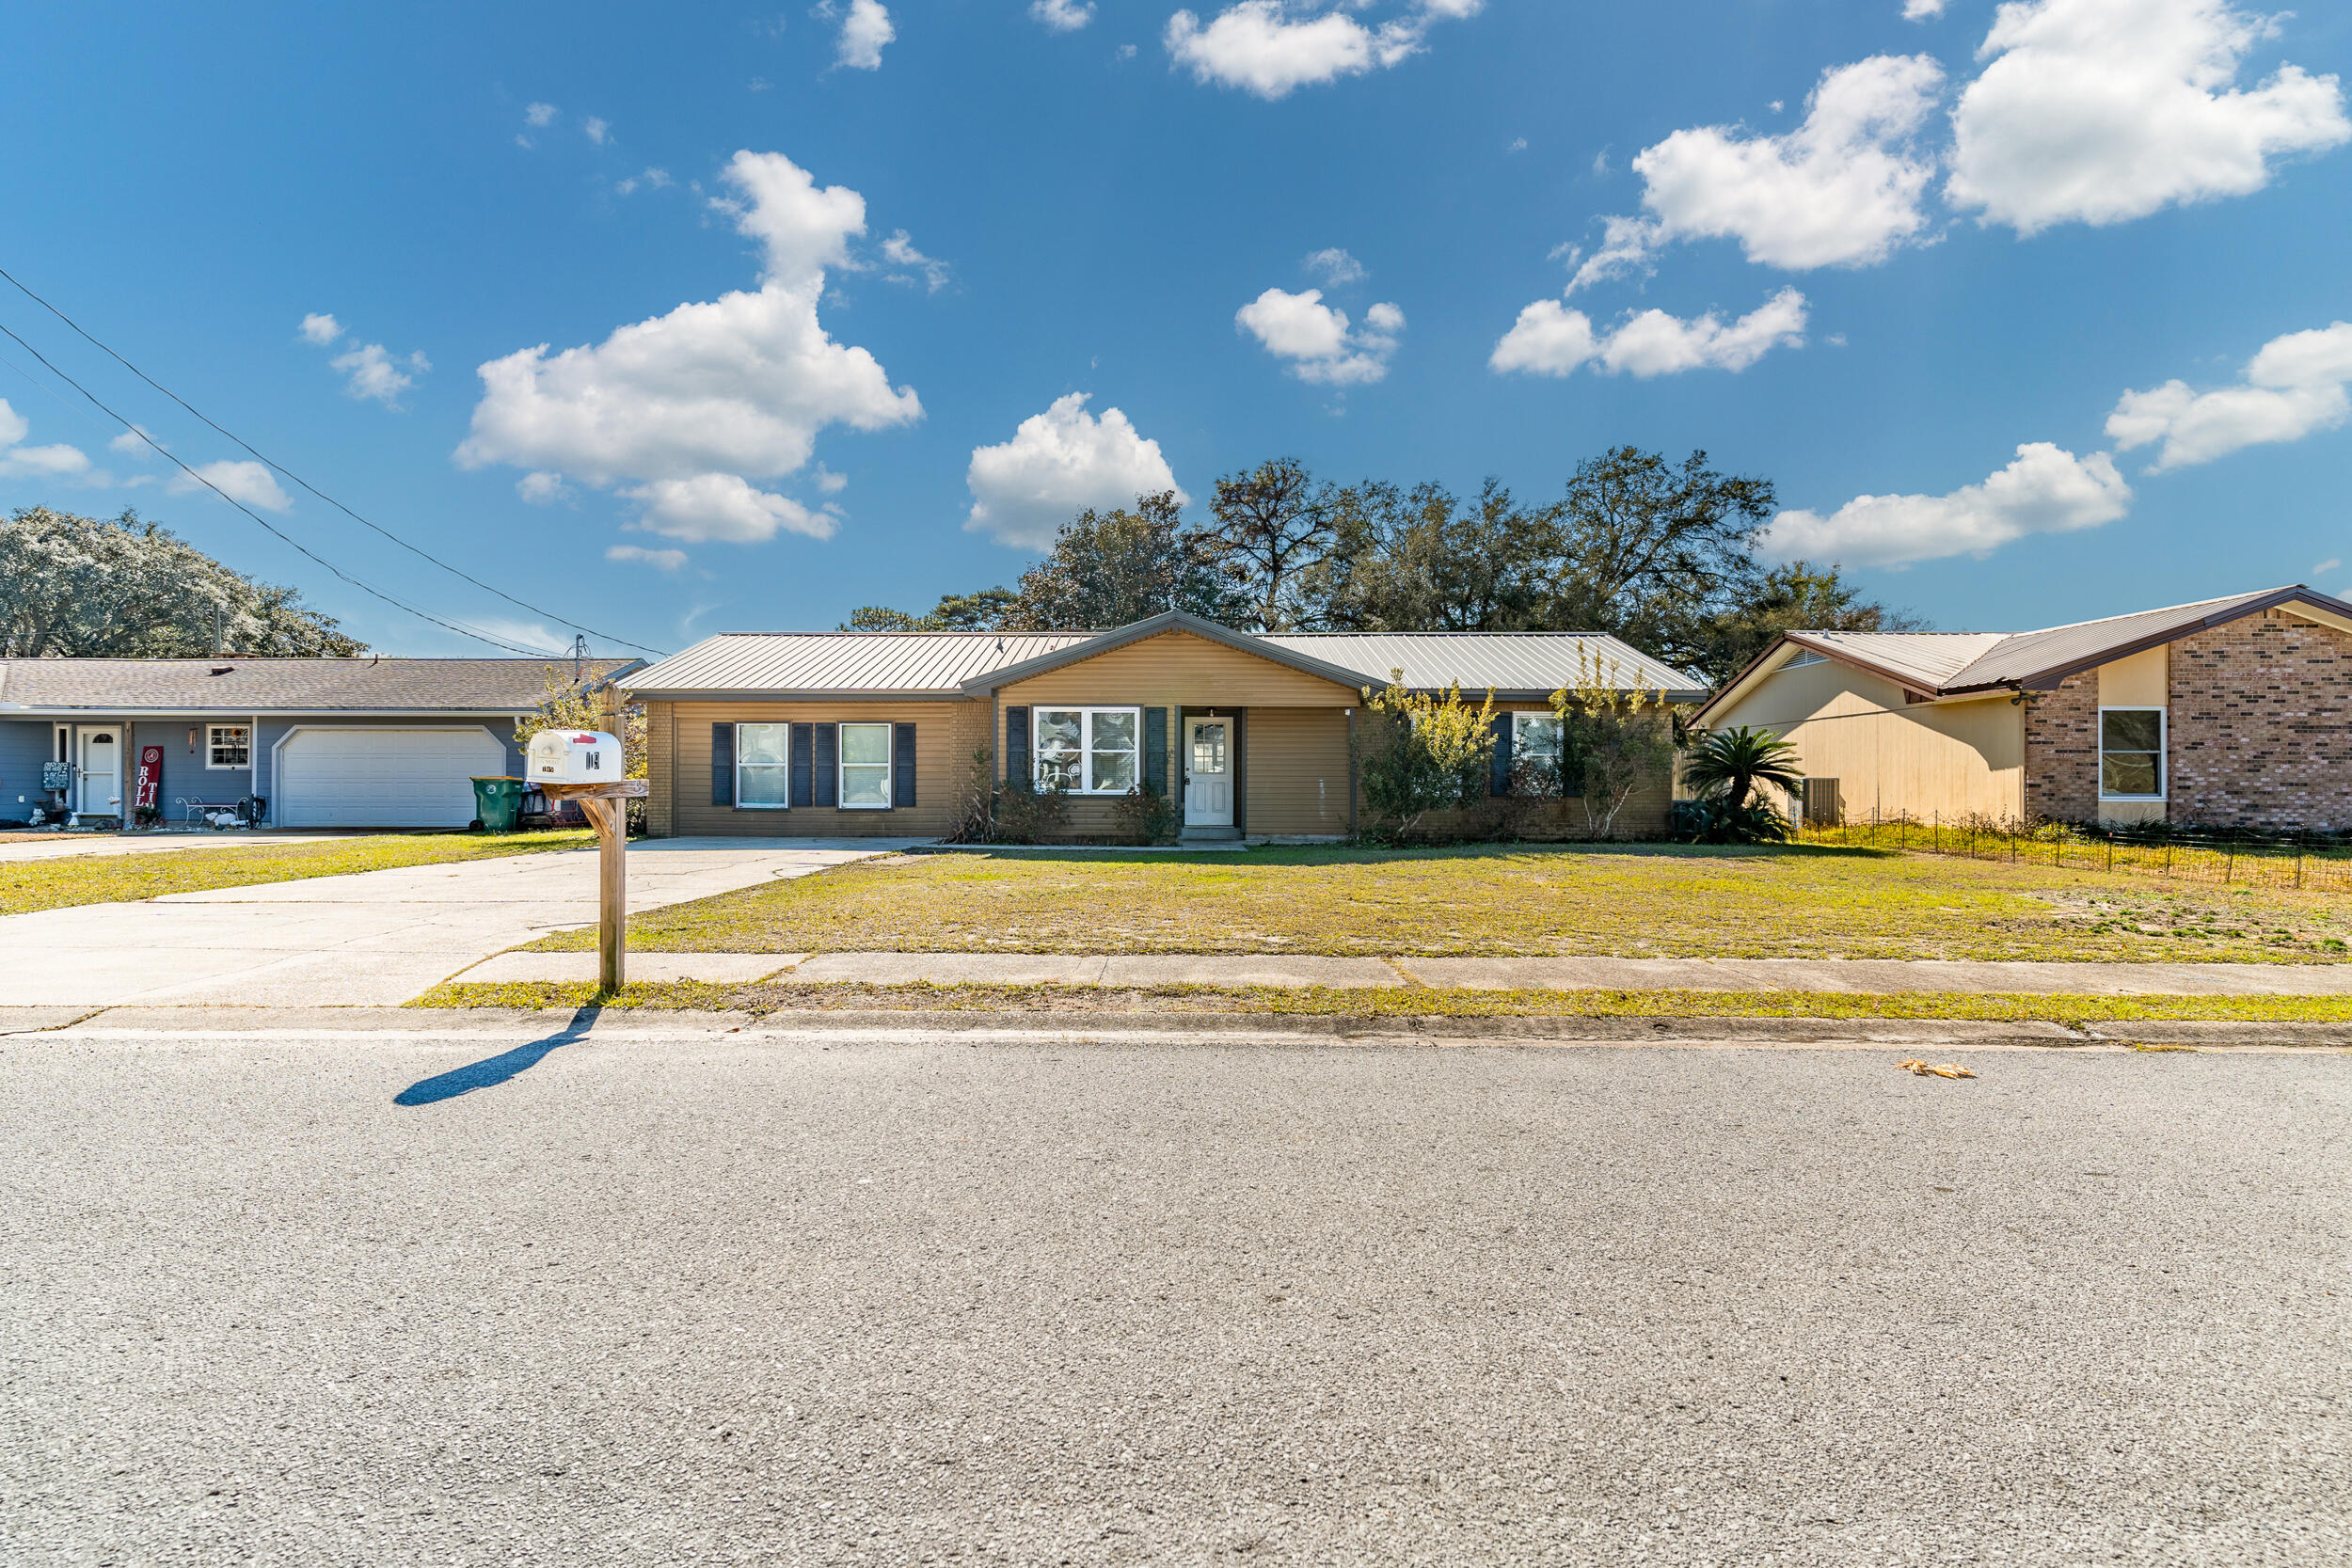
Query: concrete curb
<point>295,1025</point>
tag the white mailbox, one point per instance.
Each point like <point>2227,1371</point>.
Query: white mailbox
<point>574,756</point>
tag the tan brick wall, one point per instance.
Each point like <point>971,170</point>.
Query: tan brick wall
<point>2262,725</point>
<point>2062,751</point>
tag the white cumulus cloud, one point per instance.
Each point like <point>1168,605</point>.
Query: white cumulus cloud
<point>1058,463</point>
<point>1317,340</point>
<point>58,461</point>
<point>595,129</point>
<point>725,507</point>
<point>2045,490</point>
<point>1842,189</point>
<point>662,560</point>
<point>1063,16</point>
<point>864,29</point>
<point>1923,10</point>
<point>1553,338</point>
<point>240,481</point>
<point>539,115</point>
<point>2100,111</point>
<point>543,489</point>
<point>2296,385</point>
<point>1272,48</point>
<point>683,411</point>
<point>373,373</point>
<point>321,331</point>
<point>1335,266</point>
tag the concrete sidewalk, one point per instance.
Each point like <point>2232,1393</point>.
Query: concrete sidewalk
<point>376,939</point>
<point>1798,974</point>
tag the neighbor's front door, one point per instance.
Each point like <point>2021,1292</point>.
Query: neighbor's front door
<point>1209,782</point>
<point>101,773</point>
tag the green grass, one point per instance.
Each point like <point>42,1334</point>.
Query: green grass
<point>57,883</point>
<point>1637,901</point>
<point>1397,1002</point>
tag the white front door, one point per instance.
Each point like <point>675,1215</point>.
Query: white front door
<point>1209,780</point>
<point>99,770</point>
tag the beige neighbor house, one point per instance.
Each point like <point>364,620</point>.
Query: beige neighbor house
<point>877,733</point>
<point>2232,712</point>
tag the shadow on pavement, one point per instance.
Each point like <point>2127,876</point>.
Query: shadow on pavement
<point>493,1070</point>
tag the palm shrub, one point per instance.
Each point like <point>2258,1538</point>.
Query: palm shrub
<point>1723,768</point>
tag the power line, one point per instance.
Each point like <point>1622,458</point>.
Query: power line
<point>306,484</point>
<point>279,533</point>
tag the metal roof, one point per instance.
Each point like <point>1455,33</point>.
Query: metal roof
<point>1927,658</point>
<point>1479,661</point>
<point>844,661</point>
<point>943,662</point>
<point>247,686</point>
<point>1954,663</point>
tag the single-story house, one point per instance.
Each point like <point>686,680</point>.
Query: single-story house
<point>883,732</point>
<point>359,742</point>
<point>2232,712</point>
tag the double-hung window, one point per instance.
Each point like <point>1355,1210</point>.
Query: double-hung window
<point>1088,751</point>
<point>2131,753</point>
<point>1535,742</point>
<point>763,767</point>
<point>228,746</point>
<point>865,767</point>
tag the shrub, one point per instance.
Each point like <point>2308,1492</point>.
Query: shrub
<point>1424,753</point>
<point>1027,816</point>
<point>1144,816</point>
<point>1722,821</point>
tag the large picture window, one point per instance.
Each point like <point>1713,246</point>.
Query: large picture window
<point>763,767</point>
<point>2131,753</point>
<point>865,767</point>
<point>228,746</point>
<point>1088,751</point>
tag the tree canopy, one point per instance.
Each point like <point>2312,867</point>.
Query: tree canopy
<point>1661,554</point>
<point>74,587</point>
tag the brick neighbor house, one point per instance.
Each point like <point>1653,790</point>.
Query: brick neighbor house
<point>2233,712</point>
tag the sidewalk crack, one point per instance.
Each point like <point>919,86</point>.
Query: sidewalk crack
<point>1410,978</point>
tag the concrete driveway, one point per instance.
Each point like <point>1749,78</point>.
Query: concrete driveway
<point>373,939</point>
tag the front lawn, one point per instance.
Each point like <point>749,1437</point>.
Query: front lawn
<point>1634,901</point>
<point>57,882</point>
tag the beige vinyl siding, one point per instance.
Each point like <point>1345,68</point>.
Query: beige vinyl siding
<point>1177,669</point>
<point>1947,760</point>
<point>1297,771</point>
<point>946,734</point>
<point>1185,673</point>
<point>660,775</point>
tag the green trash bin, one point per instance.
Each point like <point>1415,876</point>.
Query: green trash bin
<point>495,803</point>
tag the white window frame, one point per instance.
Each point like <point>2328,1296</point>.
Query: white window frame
<point>841,763</point>
<point>212,749</point>
<point>784,767</point>
<point>1519,719</point>
<point>1085,745</point>
<point>2164,750</point>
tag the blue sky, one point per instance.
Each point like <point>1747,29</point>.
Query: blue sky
<point>2059,287</point>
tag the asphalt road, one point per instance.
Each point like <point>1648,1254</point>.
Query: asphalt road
<point>795,1302</point>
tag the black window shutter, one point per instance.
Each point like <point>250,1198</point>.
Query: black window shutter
<point>1500,782</point>
<point>902,764</point>
<point>723,765</point>
<point>828,764</point>
<point>1018,771</point>
<point>803,795</point>
<point>1155,751</point>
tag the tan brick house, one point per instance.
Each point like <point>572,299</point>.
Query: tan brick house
<point>2232,712</point>
<point>824,734</point>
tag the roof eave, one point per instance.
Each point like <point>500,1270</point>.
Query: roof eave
<point>2050,678</point>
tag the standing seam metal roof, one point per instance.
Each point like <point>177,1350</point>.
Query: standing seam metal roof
<point>844,662</point>
<point>938,661</point>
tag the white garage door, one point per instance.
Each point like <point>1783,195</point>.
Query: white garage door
<point>383,777</point>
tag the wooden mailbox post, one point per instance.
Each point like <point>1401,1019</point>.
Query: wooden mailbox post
<point>604,805</point>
